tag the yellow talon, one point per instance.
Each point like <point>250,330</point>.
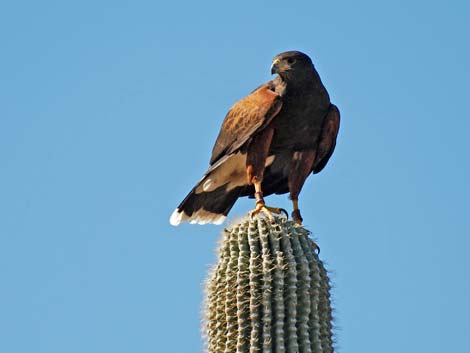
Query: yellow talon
<point>261,207</point>
<point>268,211</point>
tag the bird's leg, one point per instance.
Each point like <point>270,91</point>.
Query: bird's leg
<point>255,164</point>
<point>260,206</point>
<point>301,166</point>
<point>296,212</point>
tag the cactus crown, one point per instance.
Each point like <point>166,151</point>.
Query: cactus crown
<point>268,292</point>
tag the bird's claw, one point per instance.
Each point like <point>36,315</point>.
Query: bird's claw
<point>297,217</point>
<point>285,212</point>
<point>268,211</point>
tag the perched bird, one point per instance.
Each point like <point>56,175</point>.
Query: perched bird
<point>269,142</point>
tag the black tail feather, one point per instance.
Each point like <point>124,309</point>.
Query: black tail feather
<point>218,201</point>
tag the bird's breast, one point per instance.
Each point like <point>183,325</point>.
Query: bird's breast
<point>298,124</point>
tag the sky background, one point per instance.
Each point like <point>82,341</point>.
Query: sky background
<point>108,114</point>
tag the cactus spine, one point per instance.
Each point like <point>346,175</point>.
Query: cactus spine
<point>268,292</point>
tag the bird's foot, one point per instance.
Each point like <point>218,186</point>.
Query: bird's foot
<point>297,217</point>
<point>267,211</point>
<point>298,220</point>
<point>262,208</point>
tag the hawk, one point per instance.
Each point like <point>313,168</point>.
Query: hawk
<point>269,143</point>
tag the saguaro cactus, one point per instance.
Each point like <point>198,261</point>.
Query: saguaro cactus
<point>268,292</point>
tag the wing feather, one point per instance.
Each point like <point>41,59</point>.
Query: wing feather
<point>327,142</point>
<point>246,117</point>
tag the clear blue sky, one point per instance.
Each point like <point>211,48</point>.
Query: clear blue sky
<point>107,118</point>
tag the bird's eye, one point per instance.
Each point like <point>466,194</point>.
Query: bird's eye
<point>290,61</point>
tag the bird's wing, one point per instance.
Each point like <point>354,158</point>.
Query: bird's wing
<point>248,116</point>
<point>327,142</point>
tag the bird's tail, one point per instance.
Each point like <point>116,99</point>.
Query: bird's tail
<point>206,206</point>
<point>213,197</point>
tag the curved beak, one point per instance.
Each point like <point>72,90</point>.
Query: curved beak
<point>275,67</point>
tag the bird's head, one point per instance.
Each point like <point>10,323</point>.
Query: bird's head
<point>291,64</point>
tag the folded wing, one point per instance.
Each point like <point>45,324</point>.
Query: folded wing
<point>215,194</point>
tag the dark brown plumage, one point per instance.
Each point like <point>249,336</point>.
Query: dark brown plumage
<point>269,142</point>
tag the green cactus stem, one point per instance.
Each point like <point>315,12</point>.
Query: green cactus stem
<point>268,292</point>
